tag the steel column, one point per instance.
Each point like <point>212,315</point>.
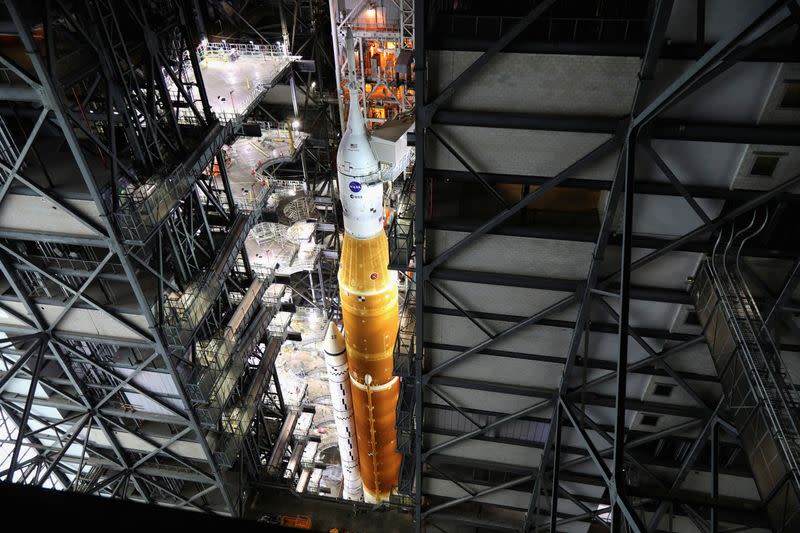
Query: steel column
<point>422,121</point>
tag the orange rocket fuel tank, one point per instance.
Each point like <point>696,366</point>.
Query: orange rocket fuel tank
<point>368,294</point>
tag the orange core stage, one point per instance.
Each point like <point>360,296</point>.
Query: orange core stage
<point>368,293</point>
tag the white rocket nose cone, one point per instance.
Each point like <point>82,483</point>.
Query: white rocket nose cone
<point>334,340</point>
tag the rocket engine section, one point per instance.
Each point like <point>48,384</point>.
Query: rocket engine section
<point>368,294</point>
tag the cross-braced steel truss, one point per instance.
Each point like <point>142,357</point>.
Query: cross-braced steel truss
<point>140,346</point>
<point>609,448</point>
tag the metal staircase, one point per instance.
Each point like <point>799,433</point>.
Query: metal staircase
<point>758,390</point>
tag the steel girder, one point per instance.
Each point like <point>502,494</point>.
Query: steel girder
<point>658,129</point>
<point>642,187</point>
<point>651,243</point>
<point>671,50</point>
<point>625,134</point>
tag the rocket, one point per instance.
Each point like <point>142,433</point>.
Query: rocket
<point>368,295</point>
<point>342,402</point>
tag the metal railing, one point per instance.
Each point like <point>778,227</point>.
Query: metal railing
<point>225,382</point>
<point>403,354</point>
<point>144,207</point>
<point>765,403</point>
<point>406,431</point>
<point>213,355</point>
<point>184,312</point>
<point>236,420</point>
<point>401,229</point>
<point>547,28</point>
<point>224,51</point>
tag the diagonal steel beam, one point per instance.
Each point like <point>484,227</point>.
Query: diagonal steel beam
<point>53,425</point>
<point>481,430</point>
<point>6,414</point>
<point>688,461</point>
<point>125,382</point>
<point>556,468</point>
<point>595,515</point>
<point>452,479</point>
<point>23,153</point>
<point>77,293</point>
<point>533,319</point>
<point>605,436</point>
<point>719,52</point>
<point>640,364</point>
<point>452,404</point>
<point>659,161</point>
<point>17,70</point>
<point>460,309</point>
<point>707,228</point>
<point>584,305</point>
<point>480,494</point>
<point>659,360</point>
<point>20,363</point>
<point>465,164</point>
<point>184,501</point>
<point>51,197</point>
<point>597,153</point>
<point>616,497</point>
<point>789,285</point>
<point>175,457</point>
<point>619,515</point>
<point>175,438</point>
<point>116,446</point>
<point>54,388</point>
<point>492,51</point>
<point>655,40</point>
<point>25,413</point>
<point>122,379</point>
<point>12,406</point>
<point>75,433</point>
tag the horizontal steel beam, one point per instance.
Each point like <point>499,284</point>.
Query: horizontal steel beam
<point>643,457</point>
<point>659,129</point>
<point>589,398</point>
<point>739,510</point>
<point>19,94</point>
<point>598,327</point>
<point>642,187</point>
<point>653,294</point>
<point>109,412</point>
<point>674,51</point>
<point>44,237</point>
<point>565,234</point>
<point>591,362</point>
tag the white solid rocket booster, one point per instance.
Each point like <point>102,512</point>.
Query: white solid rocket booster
<point>341,400</point>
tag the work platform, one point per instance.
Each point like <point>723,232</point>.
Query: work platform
<point>236,76</point>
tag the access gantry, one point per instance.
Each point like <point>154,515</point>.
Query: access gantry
<point>139,344</point>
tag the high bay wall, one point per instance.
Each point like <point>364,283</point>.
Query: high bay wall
<point>139,348</point>
<point>575,161</point>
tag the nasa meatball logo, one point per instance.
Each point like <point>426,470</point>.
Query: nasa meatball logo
<point>355,186</point>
